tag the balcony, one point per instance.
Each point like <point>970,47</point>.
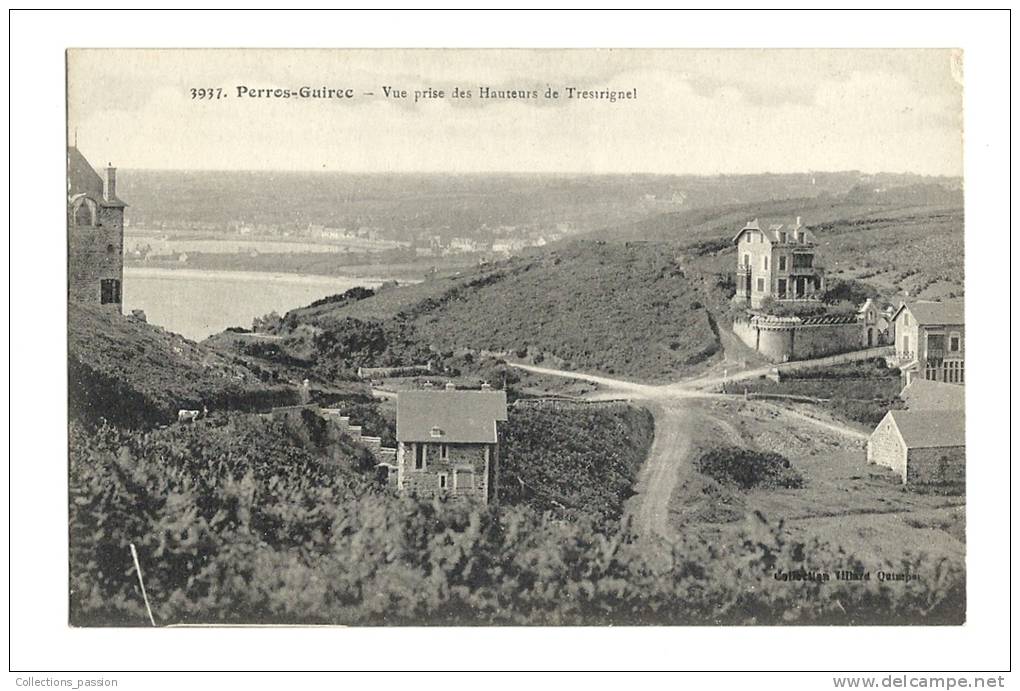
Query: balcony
<point>803,271</point>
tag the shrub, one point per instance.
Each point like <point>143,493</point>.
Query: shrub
<point>574,459</point>
<point>748,469</point>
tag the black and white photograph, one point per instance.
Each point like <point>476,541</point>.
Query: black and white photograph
<point>686,358</point>
<point>401,343</point>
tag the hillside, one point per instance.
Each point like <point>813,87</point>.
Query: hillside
<point>135,374</point>
<point>618,309</point>
<point>900,239</point>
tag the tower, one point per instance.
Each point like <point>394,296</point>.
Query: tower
<point>95,234</point>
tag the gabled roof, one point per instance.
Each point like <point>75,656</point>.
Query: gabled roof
<point>923,394</point>
<point>466,417</point>
<point>82,178</point>
<point>932,313</point>
<point>773,232</point>
<point>928,429</point>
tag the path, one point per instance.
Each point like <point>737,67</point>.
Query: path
<point>676,417</point>
<point>661,471</point>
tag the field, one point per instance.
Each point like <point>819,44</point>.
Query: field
<point>844,500</point>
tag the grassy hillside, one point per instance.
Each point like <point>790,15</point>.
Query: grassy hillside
<point>617,309</point>
<point>900,239</point>
<point>134,374</point>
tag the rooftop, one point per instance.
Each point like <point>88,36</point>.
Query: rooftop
<point>466,417</point>
<point>926,312</point>
<point>928,429</point>
<point>774,230</point>
<point>923,394</point>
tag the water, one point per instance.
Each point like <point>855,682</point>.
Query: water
<point>197,304</point>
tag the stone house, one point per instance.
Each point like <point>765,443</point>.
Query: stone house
<point>924,447</point>
<point>925,444</point>
<point>448,443</point>
<point>929,340</point>
<point>778,262</point>
<point>95,234</point>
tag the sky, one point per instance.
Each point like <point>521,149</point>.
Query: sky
<point>695,112</point>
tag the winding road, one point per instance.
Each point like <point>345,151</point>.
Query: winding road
<point>676,411</point>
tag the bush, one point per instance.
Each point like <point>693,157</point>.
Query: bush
<point>258,530</point>
<point>748,469</point>
<point>573,459</point>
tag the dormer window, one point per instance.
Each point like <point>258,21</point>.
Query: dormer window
<point>435,432</point>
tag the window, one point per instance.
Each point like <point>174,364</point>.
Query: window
<point>109,291</point>
<point>782,263</point>
<point>954,342</point>
<point>419,457</point>
<point>782,287</point>
<point>802,261</point>
<point>747,260</point>
<point>761,285</point>
<point>442,481</point>
<point>444,452</point>
<point>463,480</point>
<point>765,263</point>
<point>85,214</point>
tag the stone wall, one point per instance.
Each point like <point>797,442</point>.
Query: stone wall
<point>95,253</point>
<point>465,469</point>
<point>940,466</point>
<point>886,448</point>
<point>784,339</point>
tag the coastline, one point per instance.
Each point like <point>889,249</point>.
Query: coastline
<point>293,278</point>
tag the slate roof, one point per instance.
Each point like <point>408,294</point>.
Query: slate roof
<point>773,231</point>
<point>931,313</point>
<point>923,394</point>
<point>927,429</point>
<point>465,417</point>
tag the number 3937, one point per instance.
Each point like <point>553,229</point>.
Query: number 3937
<point>207,93</point>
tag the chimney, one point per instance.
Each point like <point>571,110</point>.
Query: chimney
<point>111,183</point>
<point>450,386</point>
<point>798,221</point>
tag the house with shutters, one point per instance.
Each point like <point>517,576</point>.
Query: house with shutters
<point>929,339</point>
<point>776,260</point>
<point>448,443</point>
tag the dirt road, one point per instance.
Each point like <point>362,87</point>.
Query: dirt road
<point>667,459</point>
<point>677,417</point>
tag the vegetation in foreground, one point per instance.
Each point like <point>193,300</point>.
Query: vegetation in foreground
<point>236,520</point>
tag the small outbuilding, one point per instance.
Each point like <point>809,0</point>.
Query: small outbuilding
<point>925,447</point>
